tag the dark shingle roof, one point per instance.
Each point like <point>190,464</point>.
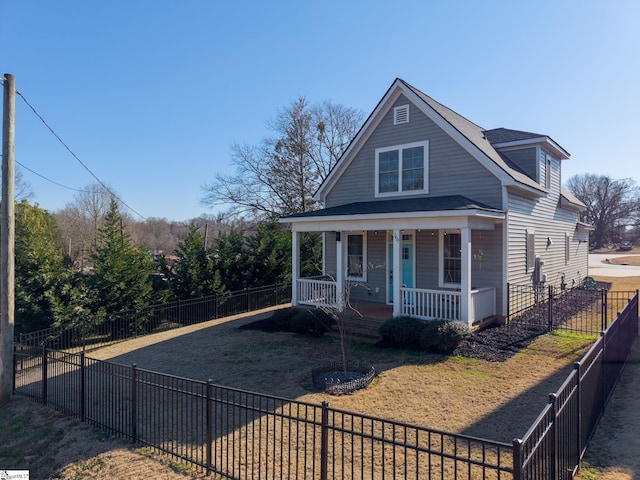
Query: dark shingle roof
<point>406,205</point>
<point>504,135</point>
<point>475,134</point>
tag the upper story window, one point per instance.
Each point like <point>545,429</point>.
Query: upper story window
<point>547,171</point>
<point>402,169</point>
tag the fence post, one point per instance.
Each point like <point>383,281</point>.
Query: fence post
<point>134,403</point>
<point>508,302</point>
<point>550,309</point>
<point>209,433</point>
<point>553,437</point>
<point>576,367</point>
<point>44,375</point>
<point>605,307</point>
<point>518,474</point>
<point>324,442</point>
<point>82,386</point>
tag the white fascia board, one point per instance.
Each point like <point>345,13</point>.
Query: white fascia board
<point>547,142</point>
<point>477,219</point>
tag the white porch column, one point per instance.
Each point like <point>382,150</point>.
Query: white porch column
<point>340,271</point>
<point>465,280</point>
<point>295,266</point>
<point>397,272</point>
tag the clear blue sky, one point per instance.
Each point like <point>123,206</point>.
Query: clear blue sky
<point>150,95</point>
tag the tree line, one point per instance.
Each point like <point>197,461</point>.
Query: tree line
<point>120,274</point>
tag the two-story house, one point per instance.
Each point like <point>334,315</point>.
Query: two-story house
<point>434,215</point>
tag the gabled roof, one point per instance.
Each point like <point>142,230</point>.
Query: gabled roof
<point>470,136</point>
<point>404,205</point>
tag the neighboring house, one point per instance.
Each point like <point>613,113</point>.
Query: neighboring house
<point>434,215</point>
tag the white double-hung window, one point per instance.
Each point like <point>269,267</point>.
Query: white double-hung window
<point>402,169</point>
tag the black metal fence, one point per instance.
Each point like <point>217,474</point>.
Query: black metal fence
<point>556,442</point>
<point>241,434</point>
<point>578,310</point>
<point>153,319</point>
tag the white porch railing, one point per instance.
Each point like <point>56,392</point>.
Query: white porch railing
<point>483,303</point>
<point>416,302</point>
<point>317,291</point>
<point>445,305</point>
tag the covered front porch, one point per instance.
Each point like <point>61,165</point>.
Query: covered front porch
<point>431,258</point>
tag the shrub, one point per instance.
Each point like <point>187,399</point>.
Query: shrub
<point>429,335</point>
<point>402,332</point>
<point>311,322</point>
<point>444,336</point>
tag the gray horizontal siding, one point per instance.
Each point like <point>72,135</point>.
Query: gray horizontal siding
<point>452,170</point>
<point>526,159</point>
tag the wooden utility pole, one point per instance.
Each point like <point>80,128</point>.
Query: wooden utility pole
<point>7,247</point>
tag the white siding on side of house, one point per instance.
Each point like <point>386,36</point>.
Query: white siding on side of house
<point>551,225</point>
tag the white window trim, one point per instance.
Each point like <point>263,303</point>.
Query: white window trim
<point>400,109</point>
<point>441,281</point>
<point>567,248</point>
<point>400,192</point>
<point>363,278</point>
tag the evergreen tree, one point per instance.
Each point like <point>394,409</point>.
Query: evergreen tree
<point>121,274</point>
<point>40,275</point>
<point>269,252</point>
<point>193,275</point>
<point>232,268</point>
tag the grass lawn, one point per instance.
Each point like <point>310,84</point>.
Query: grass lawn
<point>495,400</point>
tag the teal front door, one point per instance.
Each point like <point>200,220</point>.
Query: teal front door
<point>407,267</point>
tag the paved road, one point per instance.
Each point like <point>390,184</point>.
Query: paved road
<point>599,267</point>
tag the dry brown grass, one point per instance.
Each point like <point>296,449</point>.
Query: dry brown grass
<point>493,400</point>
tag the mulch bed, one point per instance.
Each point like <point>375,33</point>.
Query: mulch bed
<point>499,343</point>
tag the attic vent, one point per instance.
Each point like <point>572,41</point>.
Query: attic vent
<point>401,114</point>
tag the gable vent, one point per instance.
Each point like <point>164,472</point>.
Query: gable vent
<point>401,114</point>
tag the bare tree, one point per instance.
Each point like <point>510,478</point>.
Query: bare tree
<point>612,205</point>
<point>280,176</point>
<point>80,221</point>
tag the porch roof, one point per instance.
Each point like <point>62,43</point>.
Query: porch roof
<point>448,203</point>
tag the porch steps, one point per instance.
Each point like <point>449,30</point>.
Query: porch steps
<point>359,329</point>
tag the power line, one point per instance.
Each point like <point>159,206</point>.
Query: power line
<point>74,156</point>
<point>48,179</point>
